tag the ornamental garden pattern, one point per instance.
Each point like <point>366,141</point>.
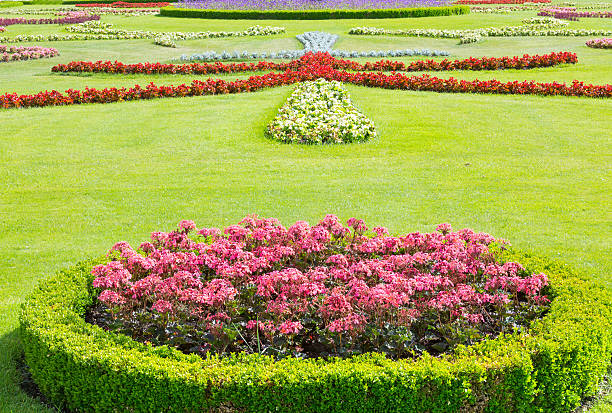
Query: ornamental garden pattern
<point>334,316</point>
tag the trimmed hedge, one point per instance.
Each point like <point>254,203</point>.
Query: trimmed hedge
<point>314,14</point>
<point>81,367</point>
<point>5,4</point>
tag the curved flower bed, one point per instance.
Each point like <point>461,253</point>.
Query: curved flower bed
<point>600,43</point>
<point>320,112</point>
<point>12,53</point>
<point>78,365</point>
<point>71,19</point>
<point>570,13</point>
<point>527,30</point>
<point>309,67</point>
<point>296,54</point>
<point>104,31</point>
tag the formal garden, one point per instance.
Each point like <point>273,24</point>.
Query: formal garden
<point>306,206</point>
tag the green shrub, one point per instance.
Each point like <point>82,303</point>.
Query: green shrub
<point>82,367</point>
<point>4,4</point>
<point>314,14</point>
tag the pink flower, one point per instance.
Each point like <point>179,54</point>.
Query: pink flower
<point>290,327</point>
<point>187,225</point>
<point>110,297</point>
<point>162,306</point>
<point>444,228</point>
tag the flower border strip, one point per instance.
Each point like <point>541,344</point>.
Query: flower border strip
<point>469,36</point>
<point>14,53</point>
<point>85,32</point>
<point>61,20</point>
<point>377,79</point>
<point>313,42</point>
<point>484,63</point>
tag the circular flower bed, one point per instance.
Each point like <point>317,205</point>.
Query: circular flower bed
<point>281,273</point>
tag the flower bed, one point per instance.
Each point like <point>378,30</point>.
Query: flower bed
<point>71,19</point>
<point>573,14</point>
<point>600,43</point>
<point>309,67</point>
<point>314,14</point>
<point>105,31</point>
<point>104,9</point>
<point>548,367</point>
<point>296,54</point>
<point>313,42</point>
<point>124,5</point>
<point>12,53</point>
<point>527,30</point>
<point>320,112</point>
<point>472,63</point>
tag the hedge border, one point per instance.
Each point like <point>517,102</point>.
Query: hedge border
<point>314,14</point>
<point>7,4</point>
<point>81,367</point>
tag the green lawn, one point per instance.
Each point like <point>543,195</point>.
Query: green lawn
<point>73,180</point>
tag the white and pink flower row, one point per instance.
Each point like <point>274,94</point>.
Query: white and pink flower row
<point>605,43</point>
<point>12,53</point>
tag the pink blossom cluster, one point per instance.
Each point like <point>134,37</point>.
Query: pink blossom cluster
<point>317,286</point>
<point>12,53</point>
<point>605,43</point>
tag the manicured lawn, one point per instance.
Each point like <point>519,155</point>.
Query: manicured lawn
<point>533,170</point>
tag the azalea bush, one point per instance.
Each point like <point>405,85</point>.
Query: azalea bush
<point>600,43</point>
<point>320,112</point>
<point>12,53</point>
<point>311,291</point>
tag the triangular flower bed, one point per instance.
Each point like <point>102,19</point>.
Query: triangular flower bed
<point>320,112</point>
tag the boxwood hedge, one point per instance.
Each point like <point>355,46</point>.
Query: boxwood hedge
<point>314,14</point>
<point>81,367</point>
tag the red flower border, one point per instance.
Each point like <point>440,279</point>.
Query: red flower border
<point>309,67</point>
